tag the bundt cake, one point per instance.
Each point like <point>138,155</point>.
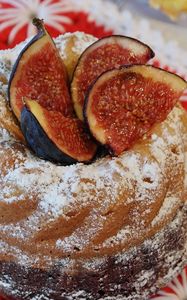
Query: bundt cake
<point>112,229</point>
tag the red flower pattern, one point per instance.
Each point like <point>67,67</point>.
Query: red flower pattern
<point>57,21</point>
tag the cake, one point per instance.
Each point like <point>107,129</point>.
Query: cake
<point>112,229</point>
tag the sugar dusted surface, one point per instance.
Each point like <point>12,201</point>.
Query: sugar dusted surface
<point>142,278</point>
<point>82,42</point>
<point>138,177</point>
<point>58,187</point>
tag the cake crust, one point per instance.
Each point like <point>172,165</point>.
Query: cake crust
<point>115,228</point>
<point>135,274</point>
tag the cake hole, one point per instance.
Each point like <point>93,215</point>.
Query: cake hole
<point>31,295</point>
<point>76,248</point>
<point>148,180</point>
<point>174,150</point>
<point>96,249</point>
<point>71,214</point>
<point>51,277</point>
<point>101,292</point>
<point>108,213</point>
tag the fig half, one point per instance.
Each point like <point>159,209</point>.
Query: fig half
<point>123,104</point>
<point>55,137</point>
<point>105,54</point>
<point>39,73</point>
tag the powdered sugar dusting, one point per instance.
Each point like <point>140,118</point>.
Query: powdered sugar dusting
<point>167,207</point>
<point>4,135</point>
<point>134,183</point>
<point>82,41</point>
<point>141,278</point>
<point>58,188</point>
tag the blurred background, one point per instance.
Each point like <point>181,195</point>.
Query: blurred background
<point>99,17</point>
<point>162,24</point>
<point>167,18</point>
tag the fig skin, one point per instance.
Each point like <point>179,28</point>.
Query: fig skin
<point>175,83</point>
<point>35,46</point>
<point>41,32</point>
<point>39,142</point>
<point>55,137</point>
<point>37,37</point>
<point>127,43</point>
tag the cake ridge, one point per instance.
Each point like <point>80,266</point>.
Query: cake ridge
<point>73,212</point>
<point>132,162</point>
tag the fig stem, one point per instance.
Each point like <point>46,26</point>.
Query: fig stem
<point>39,23</point>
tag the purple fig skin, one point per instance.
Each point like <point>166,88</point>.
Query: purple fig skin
<point>107,147</point>
<point>39,142</point>
<point>15,97</point>
<point>39,35</point>
<point>152,54</point>
<point>148,53</point>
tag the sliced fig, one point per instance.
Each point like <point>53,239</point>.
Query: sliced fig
<point>123,104</point>
<point>105,54</point>
<point>55,137</point>
<point>39,73</point>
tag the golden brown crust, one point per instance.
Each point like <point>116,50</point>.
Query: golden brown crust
<point>134,274</point>
<point>7,119</point>
<point>80,213</point>
<point>102,223</point>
